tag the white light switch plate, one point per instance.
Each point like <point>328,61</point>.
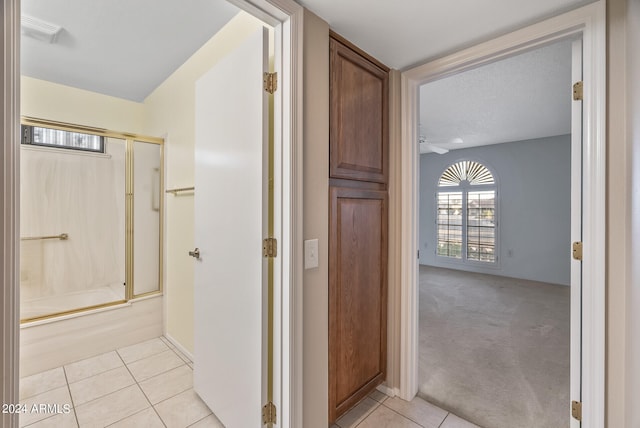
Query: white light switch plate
<point>310,253</point>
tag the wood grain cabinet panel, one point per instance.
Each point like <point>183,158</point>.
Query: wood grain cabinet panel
<point>359,93</point>
<point>357,295</point>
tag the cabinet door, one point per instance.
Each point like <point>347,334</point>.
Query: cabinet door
<point>357,295</point>
<point>359,92</point>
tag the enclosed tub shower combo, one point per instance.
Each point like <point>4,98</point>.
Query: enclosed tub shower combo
<point>91,221</point>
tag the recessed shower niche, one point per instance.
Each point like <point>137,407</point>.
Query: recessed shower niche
<point>91,218</point>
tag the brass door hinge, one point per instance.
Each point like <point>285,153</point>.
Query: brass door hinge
<point>269,414</point>
<point>577,250</point>
<point>270,247</point>
<point>270,82</point>
<point>577,91</point>
<point>576,410</point>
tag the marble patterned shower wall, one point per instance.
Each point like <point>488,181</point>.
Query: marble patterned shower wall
<point>81,194</point>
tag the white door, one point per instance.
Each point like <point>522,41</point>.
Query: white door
<point>576,233</point>
<point>230,146</point>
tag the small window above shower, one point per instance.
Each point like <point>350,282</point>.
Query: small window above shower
<point>61,139</point>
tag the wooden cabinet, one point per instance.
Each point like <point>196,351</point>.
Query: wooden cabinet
<point>359,124</point>
<point>358,295</point>
<point>358,226</point>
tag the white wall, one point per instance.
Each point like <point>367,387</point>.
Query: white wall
<point>170,113</point>
<point>81,194</point>
<point>52,101</point>
<point>534,217</point>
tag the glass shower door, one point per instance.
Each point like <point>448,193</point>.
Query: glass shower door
<point>147,217</point>
<point>72,227</point>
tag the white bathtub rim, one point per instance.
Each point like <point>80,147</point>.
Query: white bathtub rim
<point>53,319</point>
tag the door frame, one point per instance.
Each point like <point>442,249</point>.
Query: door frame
<point>589,23</point>
<point>286,16</point>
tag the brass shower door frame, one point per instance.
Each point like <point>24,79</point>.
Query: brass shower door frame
<point>129,139</point>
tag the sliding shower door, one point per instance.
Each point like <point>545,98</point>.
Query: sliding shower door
<point>147,217</point>
<point>91,218</point>
<point>72,221</point>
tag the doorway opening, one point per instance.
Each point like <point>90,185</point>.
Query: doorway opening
<point>284,19</point>
<point>586,23</point>
<point>495,232</point>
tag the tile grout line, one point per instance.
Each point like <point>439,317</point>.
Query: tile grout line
<point>202,419</point>
<point>136,382</point>
<point>408,418</point>
<point>445,418</point>
<point>143,393</point>
<point>368,414</point>
<point>31,396</point>
<point>89,358</point>
<point>66,379</point>
<point>139,359</point>
<point>157,374</point>
<point>185,361</point>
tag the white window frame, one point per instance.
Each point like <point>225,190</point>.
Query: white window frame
<point>465,187</point>
<point>28,137</point>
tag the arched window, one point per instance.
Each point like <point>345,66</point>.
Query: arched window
<point>466,218</point>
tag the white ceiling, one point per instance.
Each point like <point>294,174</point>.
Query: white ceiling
<point>401,33</point>
<point>523,97</point>
<point>121,48</point>
<point>126,48</point>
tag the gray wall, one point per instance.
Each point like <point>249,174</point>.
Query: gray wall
<point>534,207</point>
<point>633,299</point>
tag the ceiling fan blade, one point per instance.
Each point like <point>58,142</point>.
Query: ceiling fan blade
<point>438,150</point>
<point>431,148</point>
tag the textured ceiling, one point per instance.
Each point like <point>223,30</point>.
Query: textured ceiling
<point>523,97</point>
<point>121,48</point>
<point>127,48</point>
<point>402,33</point>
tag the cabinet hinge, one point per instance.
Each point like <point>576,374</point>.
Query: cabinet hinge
<point>576,410</point>
<point>269,414</point>
<point>577,250</point>
<point>270,247</point>
<point>270,82</point>
<point>577,91</point>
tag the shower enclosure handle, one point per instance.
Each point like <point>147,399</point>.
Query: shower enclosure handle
<point>195,253</point>
<point>62,237</point>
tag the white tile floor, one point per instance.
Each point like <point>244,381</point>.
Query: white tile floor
<point>380,411</point>
<point>150,384</point>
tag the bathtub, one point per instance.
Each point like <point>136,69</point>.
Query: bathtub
<point>56,341</point>
<point>66,302</point>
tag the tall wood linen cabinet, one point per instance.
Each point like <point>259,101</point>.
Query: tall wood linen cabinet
<point>358,224</point>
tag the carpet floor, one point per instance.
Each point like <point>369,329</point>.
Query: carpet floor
<point>495,350</point>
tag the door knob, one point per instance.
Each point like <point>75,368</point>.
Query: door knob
<point>195,253</point>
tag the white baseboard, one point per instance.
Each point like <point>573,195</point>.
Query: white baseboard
<point>391,392</point>
<point>179,347</point>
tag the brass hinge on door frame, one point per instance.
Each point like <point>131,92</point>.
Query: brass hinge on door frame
<point>270,247</point>
<point>270,82</point>
<point>577,250</point>
<point>269,415</point>
<point>577,91</point>
<point>576,410</point>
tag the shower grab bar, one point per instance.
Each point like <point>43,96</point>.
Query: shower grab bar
<point>180,189</point>
<point>62,237</point>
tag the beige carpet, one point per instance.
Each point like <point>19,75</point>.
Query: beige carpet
<point>495,350</point>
